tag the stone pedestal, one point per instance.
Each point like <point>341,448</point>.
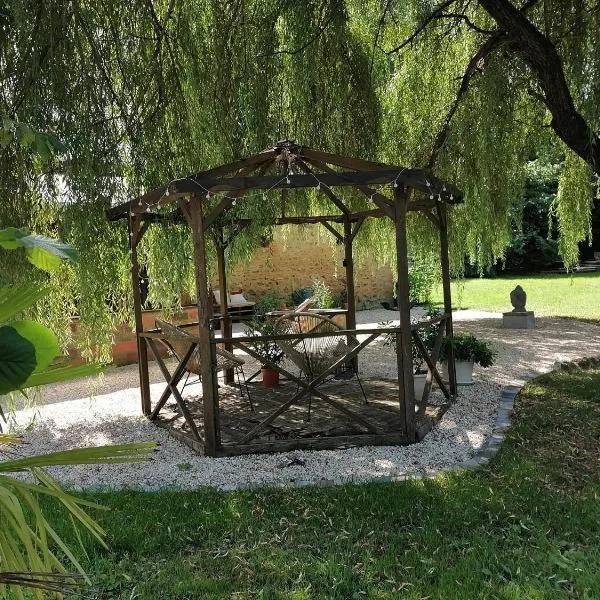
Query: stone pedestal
<point>518,320</point>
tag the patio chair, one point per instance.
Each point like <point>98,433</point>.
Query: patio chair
<point>178,341</point>
<point>314,356</point>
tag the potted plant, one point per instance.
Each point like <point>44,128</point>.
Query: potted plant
<point>468,350</point>
<point>427,333</point>
<point>322,294</point>
<point>268,349</point>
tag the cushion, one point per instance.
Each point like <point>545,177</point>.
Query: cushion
<point>237,299</point>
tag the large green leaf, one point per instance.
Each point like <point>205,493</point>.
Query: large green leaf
<point>43,339</point>
<point>44,252</point>
<point>17,298</point>
<point>47,253</point>
<point>17,359</point>
<point>11,236</point>
<point>61,374</point>
<point>25,135</point>
<point>118,453</point>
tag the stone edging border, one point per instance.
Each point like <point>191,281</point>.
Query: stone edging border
<point>493,443</point>
<point>481,458</point>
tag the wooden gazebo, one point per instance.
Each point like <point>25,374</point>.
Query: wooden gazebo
<point>202,200</point>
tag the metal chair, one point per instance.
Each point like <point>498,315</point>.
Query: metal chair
<point>315,356</point>
<point>178,341</point>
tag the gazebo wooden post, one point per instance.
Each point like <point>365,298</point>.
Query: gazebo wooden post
<point>349,265</point>
<point>206,346</point>
<point>135,234</point>
<point>406,390</point>
<point>445,264</point>
<point>225,319</point>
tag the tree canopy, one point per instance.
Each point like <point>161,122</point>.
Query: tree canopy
<point>103,101</point>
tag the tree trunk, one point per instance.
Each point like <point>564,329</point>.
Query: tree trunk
<point>541,55</point>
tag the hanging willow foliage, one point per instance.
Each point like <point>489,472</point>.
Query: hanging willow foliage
<point>141,92</point>
<point>571,208</point>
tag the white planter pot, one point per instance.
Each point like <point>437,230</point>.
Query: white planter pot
<point>419,380</point>
<point>464,372</point>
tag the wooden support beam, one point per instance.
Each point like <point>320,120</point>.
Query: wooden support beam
<point>174,379</point>
<point>172,387</point>
<point>445,264</point>
<point>357,164</point>
<point>135,235</point>
<point>406,389</point>
<point>350,292</point>
<point>431,364</point>
<point>336,234</point>
<point>309,387</point>
<point>225,319</point>
<point>224,205</point>
<point>187,186</point>
<point>380,200</point>
<point>206,345</point>
<point>356,228</point>
<point>336,201</point>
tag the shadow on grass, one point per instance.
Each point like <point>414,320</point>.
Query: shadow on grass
<point>526,528</point>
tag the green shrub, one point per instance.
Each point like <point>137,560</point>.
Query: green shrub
<point>270,302</point>
<point>468,348</point>
<point>322,294</point>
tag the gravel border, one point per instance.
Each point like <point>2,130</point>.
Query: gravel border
<point>468,435</point>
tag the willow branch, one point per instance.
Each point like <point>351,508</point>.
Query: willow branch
<point>540,54</point>
<point>432,17</point>
<point>473,67</point>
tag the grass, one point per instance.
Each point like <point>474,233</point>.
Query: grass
<point>573,295</point>
<point>528,527</point>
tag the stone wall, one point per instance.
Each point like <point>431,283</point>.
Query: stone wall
<point>288,264</point>
<point>293,262</point>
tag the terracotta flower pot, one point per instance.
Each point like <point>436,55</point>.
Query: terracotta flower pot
<point>270,377</point>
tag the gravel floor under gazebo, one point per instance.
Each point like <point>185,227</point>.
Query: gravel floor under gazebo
<point>73,418</point>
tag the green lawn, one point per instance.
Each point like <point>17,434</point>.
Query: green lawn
<point>574,295</point>
<point>527,528</point>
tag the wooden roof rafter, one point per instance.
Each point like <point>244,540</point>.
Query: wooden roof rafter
<point>318,169</point>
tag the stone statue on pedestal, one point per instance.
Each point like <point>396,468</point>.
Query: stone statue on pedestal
<point>518,318</point>
<point>518,299</point>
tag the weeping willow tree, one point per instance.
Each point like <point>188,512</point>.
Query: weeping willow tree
<point>102,101</point>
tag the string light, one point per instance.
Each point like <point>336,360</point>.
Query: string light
<point>169,190</point>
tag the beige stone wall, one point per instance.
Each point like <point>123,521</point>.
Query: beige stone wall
<point>293,260</point>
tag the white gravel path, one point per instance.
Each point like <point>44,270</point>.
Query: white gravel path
<point>68,417</point>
